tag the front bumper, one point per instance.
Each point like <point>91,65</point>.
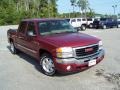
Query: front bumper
<point>77,64</point>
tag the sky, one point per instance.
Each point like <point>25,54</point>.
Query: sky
<point>99,6</point>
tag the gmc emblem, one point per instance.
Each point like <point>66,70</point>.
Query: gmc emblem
<point>88,49</point>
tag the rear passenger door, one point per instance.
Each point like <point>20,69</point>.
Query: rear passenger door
<point>20,39</point>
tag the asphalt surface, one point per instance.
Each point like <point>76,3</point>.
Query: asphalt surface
<point>21,72</point>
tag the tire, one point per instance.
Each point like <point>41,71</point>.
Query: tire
<point>90,26</point>
<point>12,48</point>
<point>83,27</point>
<point>47,64</point>
<point>118,26</point>
<point>104,27</point>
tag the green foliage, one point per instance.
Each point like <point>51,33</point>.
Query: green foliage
<point>77,14</point>
<point>83,4</point>
<point>12,11</point>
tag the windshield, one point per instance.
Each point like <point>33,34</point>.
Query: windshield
<point>103,19</point>
<point>55,27</point>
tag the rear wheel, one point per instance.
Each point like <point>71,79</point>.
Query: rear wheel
<point>12,48</point>
<point>90,26</point>
<point>83,27</point>
<point>47,64</point>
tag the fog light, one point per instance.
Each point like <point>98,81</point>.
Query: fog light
<point>68,68</point>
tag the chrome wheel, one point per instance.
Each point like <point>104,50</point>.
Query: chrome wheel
<point>47,65</point>
<point>12,47</point>
<point>118,26</point>
<point>83,27</point>
<point>90,26</point>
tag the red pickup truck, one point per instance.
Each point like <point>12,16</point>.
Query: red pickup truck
<point>56,45</point>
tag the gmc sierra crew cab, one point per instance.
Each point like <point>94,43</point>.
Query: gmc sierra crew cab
<point>56,45</point>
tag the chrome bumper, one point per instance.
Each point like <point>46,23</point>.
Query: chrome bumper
<point>81,60</point>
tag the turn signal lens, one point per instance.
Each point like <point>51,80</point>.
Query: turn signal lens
<point>64,52</point>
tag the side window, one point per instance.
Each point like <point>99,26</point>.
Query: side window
<point>83,19</point>
<point>109,20</point>
<point>78,20</point>
<point>22,27</point>
<point>73,20</point>
<point>43,27</point>
<point>67,20</point>
<point>31,28</point>
<point>89,19</point>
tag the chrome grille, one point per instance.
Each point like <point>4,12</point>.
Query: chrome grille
<point>86,51</point>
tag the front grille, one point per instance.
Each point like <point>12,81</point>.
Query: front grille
<point>86,51</point>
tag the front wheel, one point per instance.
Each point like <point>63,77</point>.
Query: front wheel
<point>118,26</point>
<point>47,64</point>
<point>104,26</point>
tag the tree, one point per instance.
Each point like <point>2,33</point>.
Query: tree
<point>12,11</point>
<point>73,2</point>
<point>54,8</point>
<point>91,12</point>
<point>83,4</point>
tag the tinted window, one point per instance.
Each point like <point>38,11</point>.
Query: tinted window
<point>89,19</point>
<point>83,19</point>
<point>67,20</point>
<point>54,27</point>
<point>103,19</point>
<point>22,27</point>
<point>31,28</point>
<point>109,19</point>
<point>78,20</point>
<point>73,20</point>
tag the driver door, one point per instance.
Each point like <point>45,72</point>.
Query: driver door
<point>31,41</point>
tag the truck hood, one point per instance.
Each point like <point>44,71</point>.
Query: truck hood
<point>71,39</point>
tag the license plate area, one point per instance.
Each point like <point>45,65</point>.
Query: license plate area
<point>92,62</point>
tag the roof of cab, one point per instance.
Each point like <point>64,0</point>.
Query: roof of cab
<point>43,19</point>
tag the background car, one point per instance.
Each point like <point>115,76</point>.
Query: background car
<point>78,23</point>
<point>105,23</point>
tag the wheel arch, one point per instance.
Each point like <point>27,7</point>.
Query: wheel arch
<point>10,40</point>
<point>42,51</point>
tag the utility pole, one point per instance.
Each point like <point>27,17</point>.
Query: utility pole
<point>114,8</point>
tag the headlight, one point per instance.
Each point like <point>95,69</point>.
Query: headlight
<point>100,45</point>
<point>64,52</point>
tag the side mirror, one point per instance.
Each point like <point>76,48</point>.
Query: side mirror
<point>30,33</point>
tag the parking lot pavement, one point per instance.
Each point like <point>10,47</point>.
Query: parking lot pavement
<point>21,72</point>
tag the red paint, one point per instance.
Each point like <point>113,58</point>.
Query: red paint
<point>51,42</point>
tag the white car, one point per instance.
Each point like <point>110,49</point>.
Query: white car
<point>78,23</point>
